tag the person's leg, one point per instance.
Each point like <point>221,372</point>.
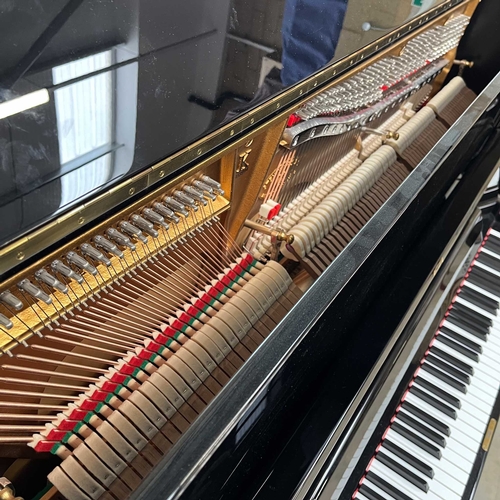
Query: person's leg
<point>311,29</point>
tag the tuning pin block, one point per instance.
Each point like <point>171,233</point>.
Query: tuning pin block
<point>44,277</point>
<point>5,322</point>
<point>144,225</point>
<point>185,200</point>
<point>119,238</point>
<point>133,231</point>
<point>216,186</point>
<point>94,254</point>
<point>66,271</point>
<point>28,287</point>
<point>154,217</point>
<point>10,300</point>
<point>176,206</point>
<point>166,212</point>
<point>108,246</point>
<point>195,194</point>
<point>81,263</point>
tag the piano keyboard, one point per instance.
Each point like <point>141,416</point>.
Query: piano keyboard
<point>428,450</point>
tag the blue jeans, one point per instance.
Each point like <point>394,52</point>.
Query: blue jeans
<point>311,30</point>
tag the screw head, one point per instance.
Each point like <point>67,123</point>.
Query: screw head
<point>199,152</point>
<point>231,132</point>
<point>81,220</point>
<point>131,191</point>
<point>20,256</point>
<point>161,173</point>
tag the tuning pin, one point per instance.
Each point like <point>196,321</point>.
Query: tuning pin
<point>47,278</point>
<point>206,189</point>
<point>120,238</point>
<point>144,225</point>
<point>133,231</point>
<point>10,300</point>
<point>154,217</point>
<point>108,246</point>
<point>166,212</point>
<point>214,184</point>
<point>95,254</point>
<point>34,291</point>
<point>5,322</point>
<point>175,206</point>
<point>81,263</point>
<point>185,200</point>
<point>66,271</point>
<point>195,194</point>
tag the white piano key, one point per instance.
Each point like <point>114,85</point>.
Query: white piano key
<point>449,476</point>
<point>464,422</point>
<point>490,349</point>
<point>460,300</point>
<point>458,429</point>
<point>488,251</point>
<point>454,465</point>
<point>360,496</point>
<point>484,266</point>
<point>486,293</point>
<point>376,489</point>
<point>401,483</point>
<point>477,427</point>
<point>479,367</point>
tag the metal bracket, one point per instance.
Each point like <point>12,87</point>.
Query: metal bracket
<point>385,134</point>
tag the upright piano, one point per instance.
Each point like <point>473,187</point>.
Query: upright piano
<point>248,249</point>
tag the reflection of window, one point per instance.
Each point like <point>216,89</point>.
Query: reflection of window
<point>84,113</point>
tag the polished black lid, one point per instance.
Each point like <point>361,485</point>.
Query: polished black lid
<point>113,87</point>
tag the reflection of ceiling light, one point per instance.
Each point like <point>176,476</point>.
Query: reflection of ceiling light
<point>20,104</point>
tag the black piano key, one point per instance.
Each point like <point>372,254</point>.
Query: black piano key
<point>471,316</point>
<point>490,281</point>
<point>444,376</point>
<point>457,363</point>
<point>478,331</point>
<point>470,344</point>
<point>488,276</point>
<point>479,300</point>
<point>439,405</point>
<point>493,245</point>
<point>428,419</point>
<point>494,240</point>
<point>421,429</point>
<point>402,471</point>
<point>417,440</point>
<point>425,469</point>
<point>478,280</point>
<point>387,487</point>
<point>465,351</point>
<point>439,393</point>
<point>490,261</point>
<point>369,493</point>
